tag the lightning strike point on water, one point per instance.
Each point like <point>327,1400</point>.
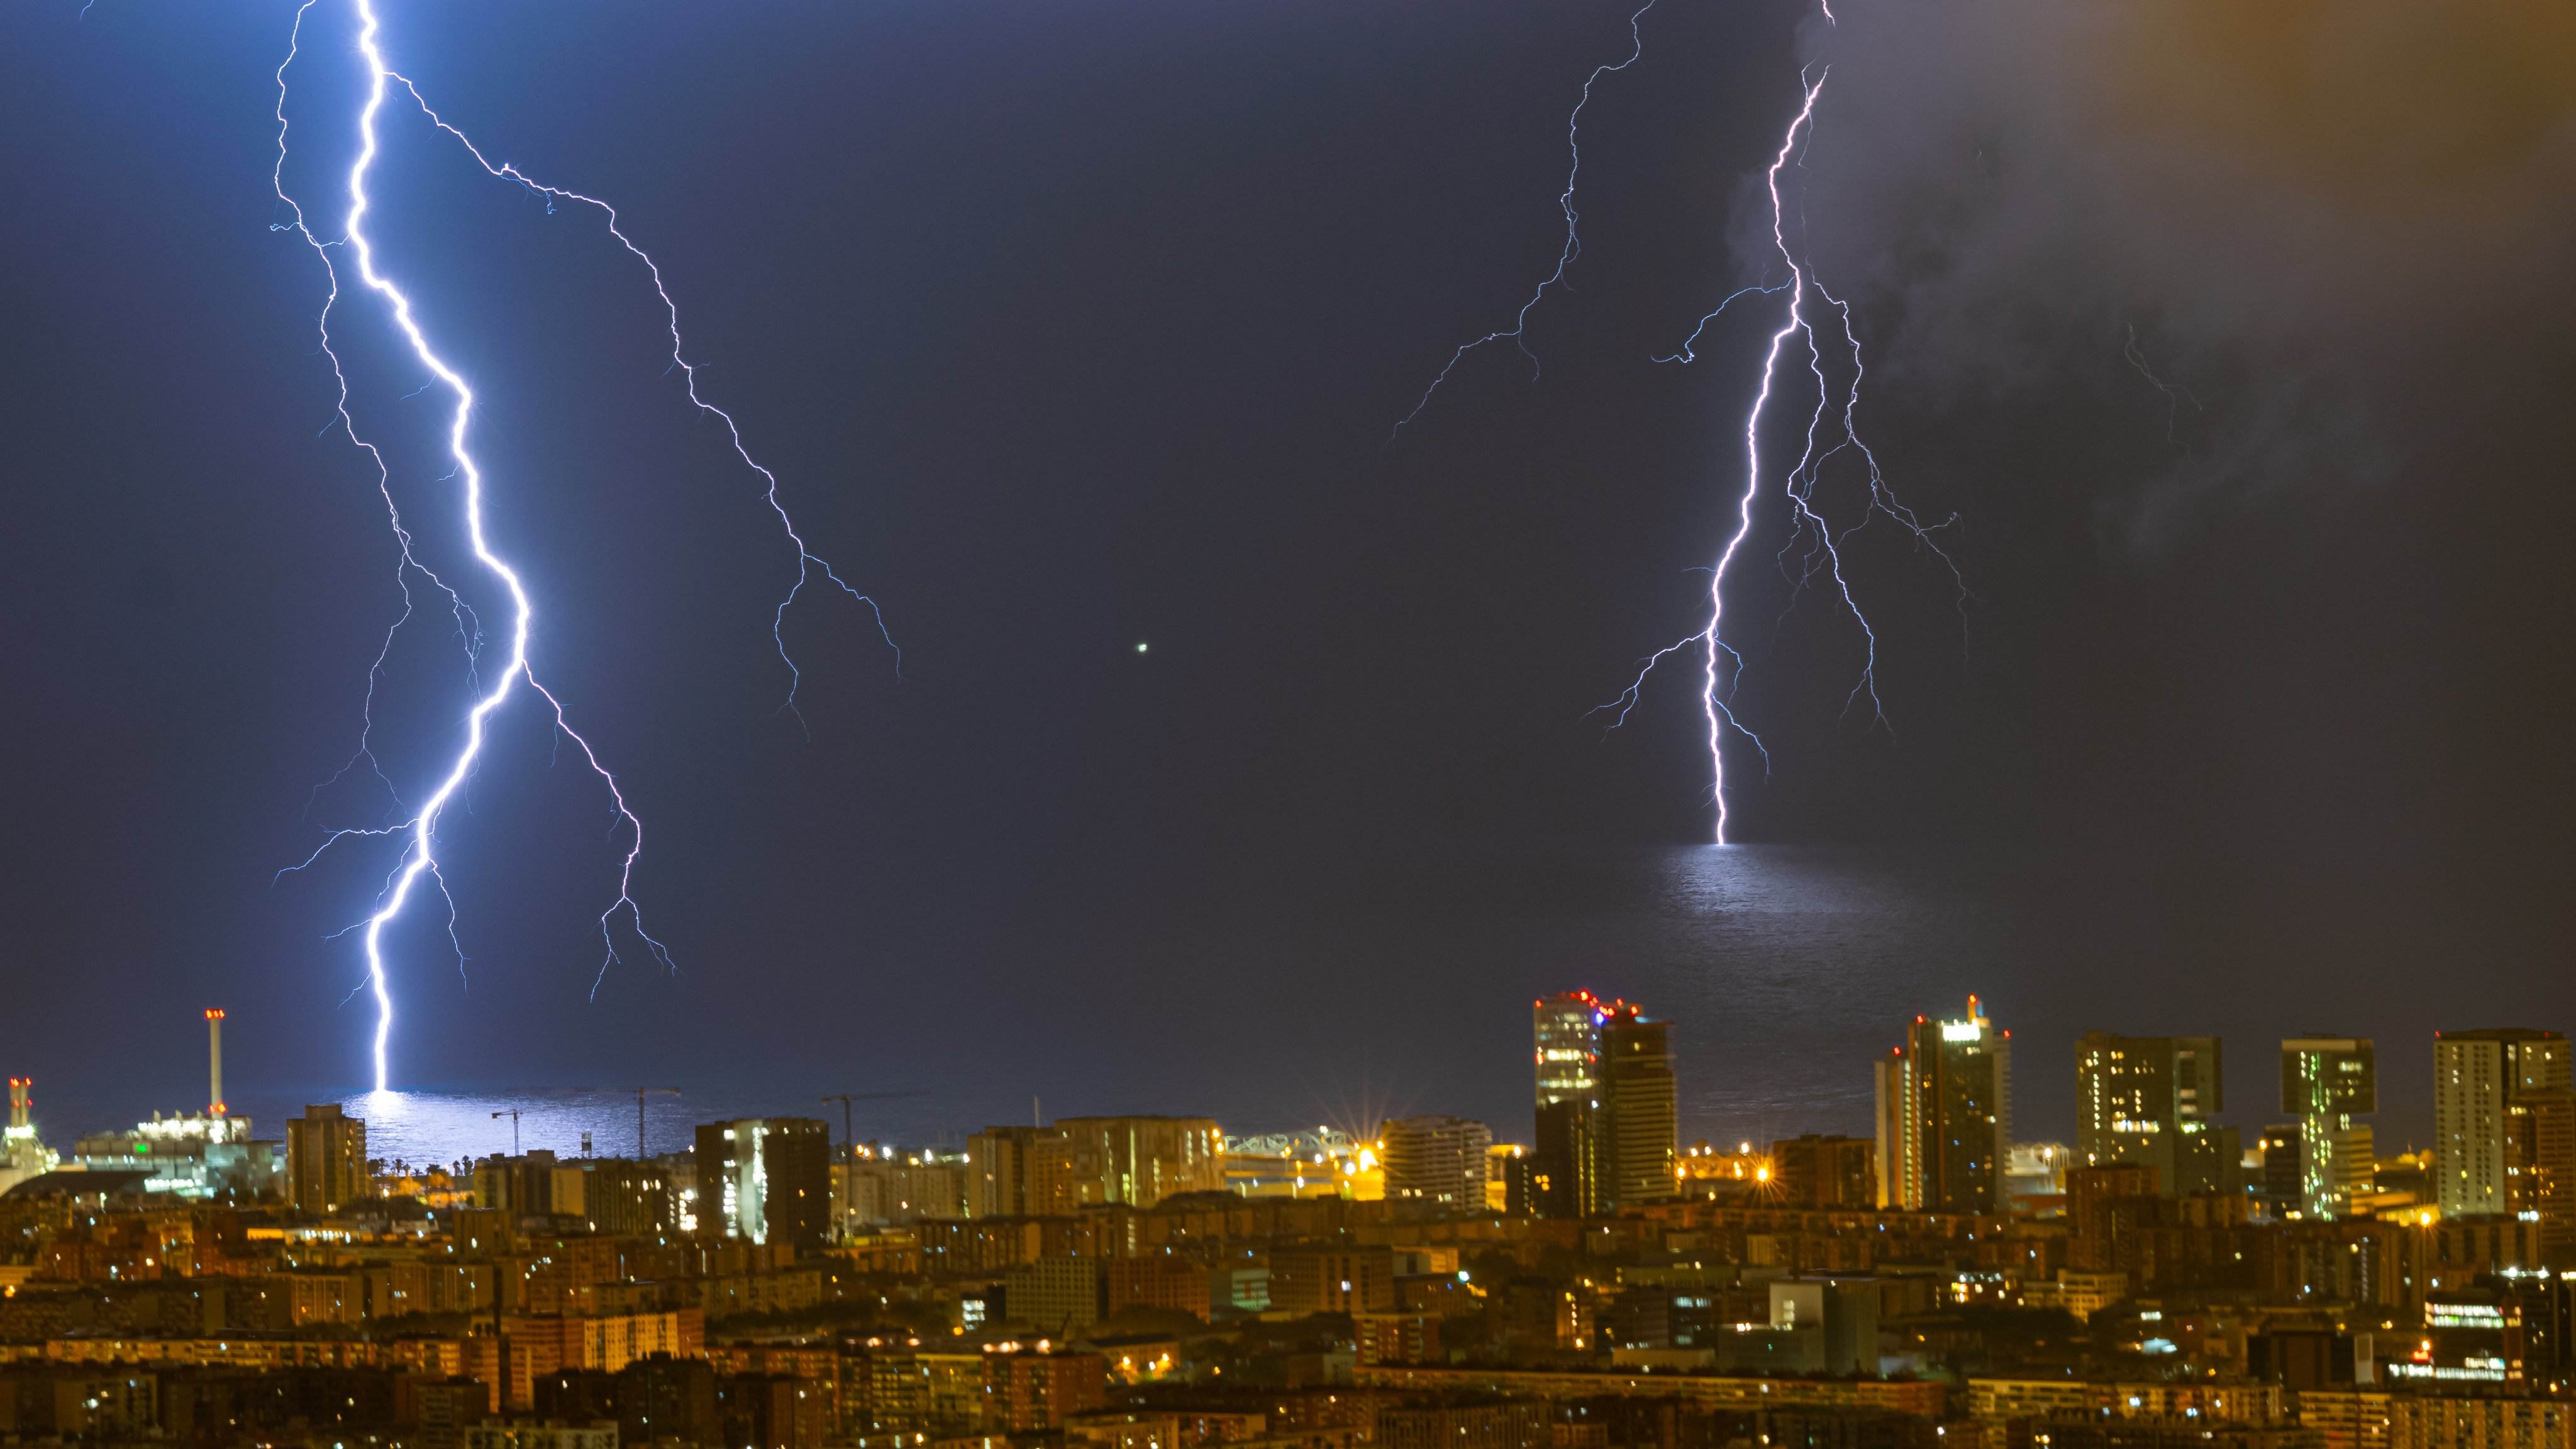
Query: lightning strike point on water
<point>491,686</point>
<point>1721,665</point>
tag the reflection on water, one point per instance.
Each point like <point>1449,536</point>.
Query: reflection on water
<point>1787,970</point>
<point>426,1128</point>
<point>435,1127</point>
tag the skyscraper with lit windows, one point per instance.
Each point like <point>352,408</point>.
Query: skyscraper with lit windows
<point>1638,1108</point>
<point>2327,1081</point>
<point>1945,1116</point>
<point>765,1179</point>
<point>2504,1126</point>
<point>1607,1113</point>
<point>2147,1100</point>
<point>1565,1163</point>
<point>326,1160</point>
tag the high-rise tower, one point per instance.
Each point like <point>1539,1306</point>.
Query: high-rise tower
<point>2147,1100</point>
<point>1945,1116</point>
<point>1639,1108</point>
<point>1607,1114</point>
<point>2326,1081</point>
<point>326,1160</point>
<point>2504,1126</point>
<point>765,1179</point>
<point>1565,1163</point>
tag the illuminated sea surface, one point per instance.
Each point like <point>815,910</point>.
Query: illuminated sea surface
<point>440,1128</point>
<point>1388,985</point>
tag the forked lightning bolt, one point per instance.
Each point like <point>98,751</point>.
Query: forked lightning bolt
<point>1571,248</point>
<point>492,687</point>
<point>1823,555</point>
<point>807,562</point>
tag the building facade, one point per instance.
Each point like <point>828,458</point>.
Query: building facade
<point>1438,1160</point>
<point>2148,1100</point>
<point>1031,1390</point>
<point>2326,1082</point>
<point>626,1197</point>
<point>1607,1119</point>
<point>326,1160</point>
<point>1944,1113</point>
<point>1565,1166</point>
<point>1826,1172</point>
<point>2504,1125</point>
<point>1002,1165</point>
<point>1057,1296</point>
<point>765,1179</point>
<point>1138,1161</point>
<point>1638,1151</point>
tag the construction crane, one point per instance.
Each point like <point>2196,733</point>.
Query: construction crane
<point>640,1094</point>
<point>849,1139</point>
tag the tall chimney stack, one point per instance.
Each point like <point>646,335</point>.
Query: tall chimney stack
<point>214,1061</point>
<point>18,1101</point>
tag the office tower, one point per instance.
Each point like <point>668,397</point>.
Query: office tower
<point>1899,1176</point>
<point>1826,1172</point>
<point>1945,1116</point>
<point>765,1179</point>
<point>1001,1165</point>
<point>2147,1100</point>
<point>2278,1188</point>
<point>2326,1081</point>
<point>1567,1032</point>
<point>326,1160</point>
<point>2504,1124</point>
<point>1437,1160</point>
<point>1564,1163</point>
<point>1641,1126</point>
<point>1134,1160</point>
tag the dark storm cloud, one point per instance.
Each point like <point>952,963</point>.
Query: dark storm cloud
<point>2334,228</point>
<point>1072,327</point>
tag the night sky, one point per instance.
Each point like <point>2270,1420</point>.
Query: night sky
<point>1068,327</point>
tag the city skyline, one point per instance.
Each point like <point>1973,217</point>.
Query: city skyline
<point>856,726</point>
<point>2500,1097</point>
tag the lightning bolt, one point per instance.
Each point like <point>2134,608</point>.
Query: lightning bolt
<point>491,687</point>
<point>808,563</point>
<point>2175,393</point>
<point>1721,665</point>
<point>1516,334</point>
